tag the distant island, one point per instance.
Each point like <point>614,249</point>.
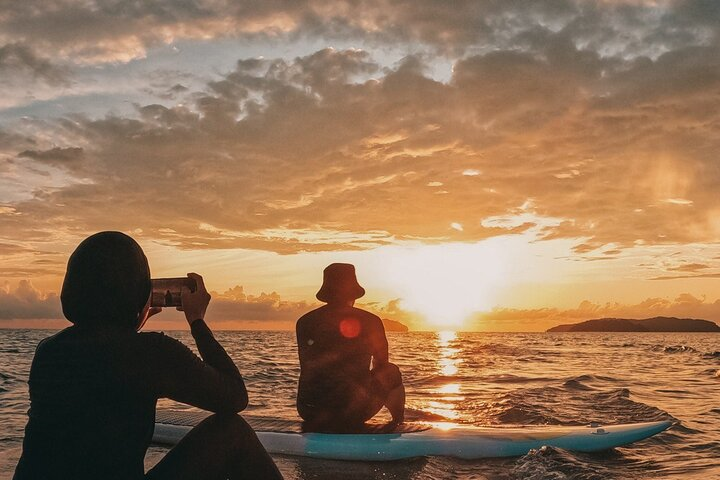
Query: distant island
<point>655,324</point>
<point>393,326</point>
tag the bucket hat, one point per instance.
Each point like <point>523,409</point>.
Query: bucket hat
<point>339,284</point>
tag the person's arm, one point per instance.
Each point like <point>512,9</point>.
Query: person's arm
<point>213,383</point>
<point>210,349</point>
<point>379,344</point>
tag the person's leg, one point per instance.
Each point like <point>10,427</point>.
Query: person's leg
<point>389,379</point>
<point>396,403</point>
<point>219,447</point>
<point>347,413</point>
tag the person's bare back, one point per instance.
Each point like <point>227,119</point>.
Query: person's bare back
<point>345,376</point>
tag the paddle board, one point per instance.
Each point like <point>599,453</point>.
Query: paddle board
<point>416,440</point>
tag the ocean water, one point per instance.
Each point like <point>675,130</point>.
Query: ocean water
<point>480,379</point>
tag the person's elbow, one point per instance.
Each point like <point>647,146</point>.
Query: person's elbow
<point>233,400</point>
<point>235,404</point>
<point>240,401</point>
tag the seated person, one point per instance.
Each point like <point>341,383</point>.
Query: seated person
<point>345,376</point>
<point>95,384</point>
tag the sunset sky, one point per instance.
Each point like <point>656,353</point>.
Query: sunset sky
<point>498,165</point>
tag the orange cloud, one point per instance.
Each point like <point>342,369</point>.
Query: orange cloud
<point>285,156</point>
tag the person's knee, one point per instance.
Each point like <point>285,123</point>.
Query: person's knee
<point>395,379</point>
<point>232,429</point>
<point>389,376</point>
<point>394,372</point>
<point>387,369</point>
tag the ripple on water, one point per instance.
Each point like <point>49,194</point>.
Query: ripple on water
<point>566,405</point>
<point>674,348</point>
<point>575,384</point>
<point>510,378</point>
<point>554,463</point>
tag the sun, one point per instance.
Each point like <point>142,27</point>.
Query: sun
<point>446,283</point>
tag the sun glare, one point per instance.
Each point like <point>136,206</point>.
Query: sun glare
<point>446,283</point>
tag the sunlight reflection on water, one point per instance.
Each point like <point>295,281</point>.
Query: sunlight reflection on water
<point>447,395</point>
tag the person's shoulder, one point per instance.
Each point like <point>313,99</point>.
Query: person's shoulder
<point>364,313</point>
<point>158,341</point>
<point>155,337</point>
<point>54,340</point>
<point>311,315</point>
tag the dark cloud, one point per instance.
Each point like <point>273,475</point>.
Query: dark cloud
<point>18,60</point>
<point>57,156</point>
<point>112,31</point>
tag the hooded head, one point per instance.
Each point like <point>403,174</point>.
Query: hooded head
<point>107,282</point>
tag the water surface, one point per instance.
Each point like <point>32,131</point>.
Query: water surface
<point>480,379</point>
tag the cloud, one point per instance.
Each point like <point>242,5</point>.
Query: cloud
<point>234,304</point>
<point>689,267</point>
<point>12,248</point>
<point>26,76</point>
<point>110,32</point>
<point>19,260</point>
<point>232,308</point>
<point>332,151</point>
<point>684,305</point>
<point>26,302</point>
<point>66,157</point>
<point>696,275</point>
<point>18,62</point>
<point>393,310</point>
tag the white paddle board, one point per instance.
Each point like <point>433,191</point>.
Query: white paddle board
<point>416,440</point>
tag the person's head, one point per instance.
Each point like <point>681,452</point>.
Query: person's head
<point>107,283</point>
<point>340,285</point>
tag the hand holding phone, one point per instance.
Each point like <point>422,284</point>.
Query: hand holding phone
<point>195,302</point>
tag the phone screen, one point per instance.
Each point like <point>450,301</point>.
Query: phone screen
<point>166,291</point>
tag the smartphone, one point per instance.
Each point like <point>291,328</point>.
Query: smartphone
<point>166,291</point>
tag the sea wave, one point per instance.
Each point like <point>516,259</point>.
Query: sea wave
<point>576,384</point>
<point>557,464</point>
<point>674,348</point>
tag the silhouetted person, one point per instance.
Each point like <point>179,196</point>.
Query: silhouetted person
<point>94,385</point>
<point>168,298</point>
<point>345,376</point>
